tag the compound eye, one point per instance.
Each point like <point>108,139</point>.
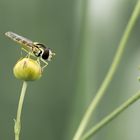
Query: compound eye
<point>45,54</point>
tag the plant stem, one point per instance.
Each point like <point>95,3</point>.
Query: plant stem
<point>110,74</point>
<point>111,116</point>
<point>17,126</point>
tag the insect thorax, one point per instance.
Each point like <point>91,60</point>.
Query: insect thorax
<point>37,51</point>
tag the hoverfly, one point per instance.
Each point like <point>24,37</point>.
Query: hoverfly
<point>36,49</point>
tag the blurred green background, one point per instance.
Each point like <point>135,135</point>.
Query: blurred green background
<point>85,35</point>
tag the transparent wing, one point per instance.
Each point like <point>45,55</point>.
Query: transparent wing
<point>24,42</point>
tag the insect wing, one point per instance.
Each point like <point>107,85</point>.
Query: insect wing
<point>24,42</point>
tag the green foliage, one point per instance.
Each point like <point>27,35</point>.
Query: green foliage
<point>85,45</point>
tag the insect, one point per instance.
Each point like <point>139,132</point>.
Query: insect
<point>36,49</point>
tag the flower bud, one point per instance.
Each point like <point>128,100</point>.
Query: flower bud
<point>27,69</point>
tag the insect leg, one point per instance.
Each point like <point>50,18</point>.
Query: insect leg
<point>38,60</point>
<point>28,53</point>
<point>46,63</point>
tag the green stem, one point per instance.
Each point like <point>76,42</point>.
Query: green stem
<point>111,116</point>
<point>17,126</point>
<point>110,74</point>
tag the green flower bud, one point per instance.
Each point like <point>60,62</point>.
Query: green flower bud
<point>27,69</point>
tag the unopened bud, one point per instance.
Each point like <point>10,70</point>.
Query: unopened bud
<point>27,69</point>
